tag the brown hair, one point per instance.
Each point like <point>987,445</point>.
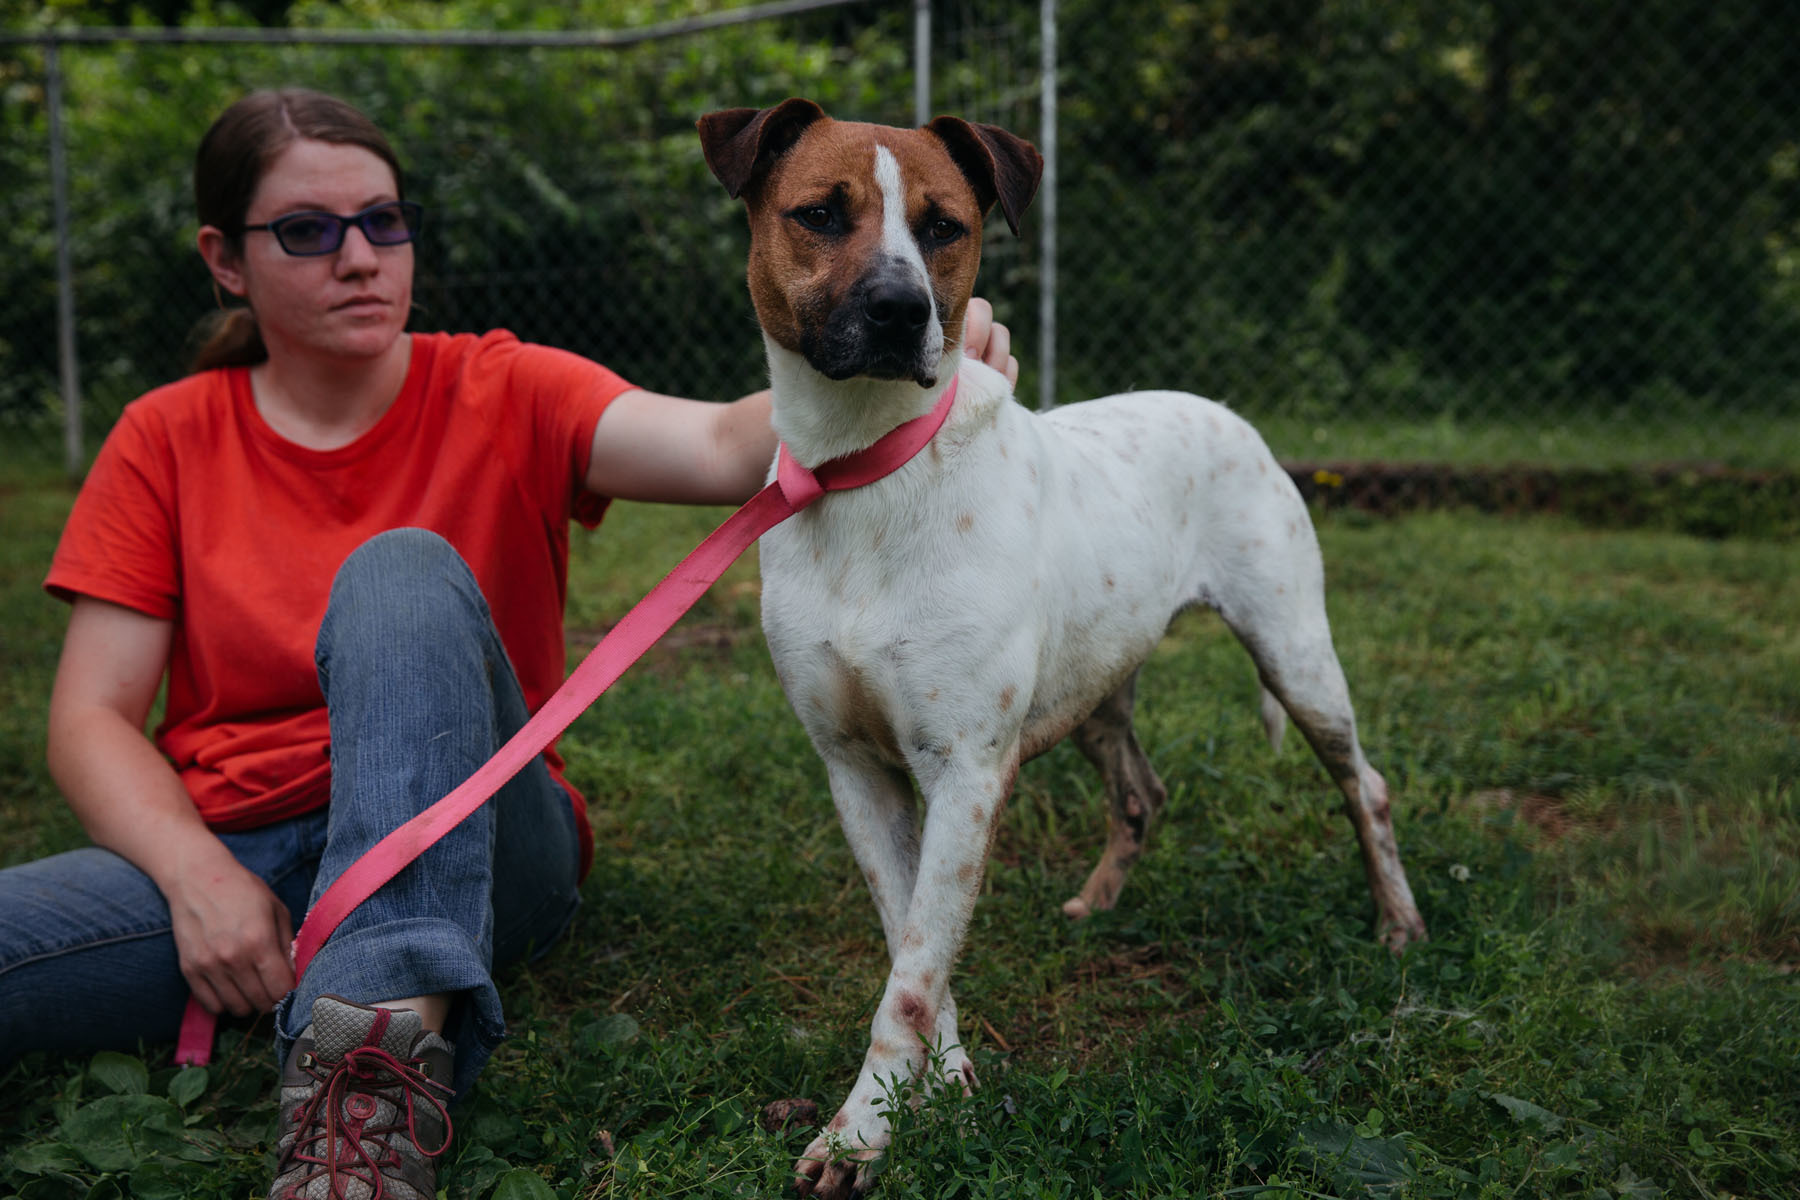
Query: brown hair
<point>233,157</point>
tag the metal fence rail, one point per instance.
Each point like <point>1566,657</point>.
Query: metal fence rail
<point>1474,232</point>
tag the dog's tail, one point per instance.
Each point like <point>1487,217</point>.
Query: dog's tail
<point>1274,719</point>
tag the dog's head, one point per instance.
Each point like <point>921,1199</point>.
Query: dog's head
<point>865,239</point>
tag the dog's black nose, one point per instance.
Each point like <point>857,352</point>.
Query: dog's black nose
<point>894,306</point>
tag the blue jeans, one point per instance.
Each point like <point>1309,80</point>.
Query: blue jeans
<point>420,693</point>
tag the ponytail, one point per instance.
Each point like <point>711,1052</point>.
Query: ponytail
<point>228,338</point>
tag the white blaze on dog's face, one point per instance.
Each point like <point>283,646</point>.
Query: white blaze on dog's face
<point>865,241</point>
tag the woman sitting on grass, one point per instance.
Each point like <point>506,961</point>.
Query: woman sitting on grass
<point>347,547</point>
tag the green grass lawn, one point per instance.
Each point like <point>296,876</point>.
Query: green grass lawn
<point>1594,742</point>
<point>1756,441</point>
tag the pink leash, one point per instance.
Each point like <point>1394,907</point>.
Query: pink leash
<point>794,488</point>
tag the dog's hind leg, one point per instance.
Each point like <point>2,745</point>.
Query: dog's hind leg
<point>1291,645</point>
<point>1134,795</point>
<point>1273,598</point>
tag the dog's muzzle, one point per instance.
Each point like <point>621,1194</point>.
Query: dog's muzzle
<point>887,328</point>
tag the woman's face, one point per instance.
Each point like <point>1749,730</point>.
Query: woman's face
<point>347,305</point>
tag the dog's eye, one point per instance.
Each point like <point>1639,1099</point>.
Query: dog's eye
<point>815,216</point>
<point>943,230</point>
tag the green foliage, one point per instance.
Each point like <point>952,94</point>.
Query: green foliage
<point>1571,222</point>
<point>1464,209</point>
<point>566,196</point>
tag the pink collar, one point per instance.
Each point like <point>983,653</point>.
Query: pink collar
<point>891,451</point>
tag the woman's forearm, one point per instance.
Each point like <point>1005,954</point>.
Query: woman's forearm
<point>129,798</point>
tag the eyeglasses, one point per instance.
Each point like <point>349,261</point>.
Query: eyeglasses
<point>309,234</point>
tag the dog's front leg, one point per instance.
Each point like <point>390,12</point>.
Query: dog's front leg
<point>964,804</point>
<point>875,806</point>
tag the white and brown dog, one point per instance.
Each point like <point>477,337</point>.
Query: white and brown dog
<point>998,592</point>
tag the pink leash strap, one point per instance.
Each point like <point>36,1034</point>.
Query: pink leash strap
<point>794,488</point>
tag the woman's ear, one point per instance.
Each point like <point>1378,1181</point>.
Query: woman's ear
<point>222,260</point>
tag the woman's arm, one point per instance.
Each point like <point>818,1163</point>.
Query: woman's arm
<point>231,932</point>
<point>648,446</point>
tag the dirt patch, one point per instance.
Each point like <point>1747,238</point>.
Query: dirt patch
<point>1548,816</point>
<point>684,640</point>
<point>1699,498</point>
<point>1130,966</point>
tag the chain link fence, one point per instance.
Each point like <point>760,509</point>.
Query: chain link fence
<point>1477,232</point>
<point>1459,232</point>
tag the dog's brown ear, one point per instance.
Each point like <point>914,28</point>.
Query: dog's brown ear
<point>739,143</point>
<point>1000,165</point>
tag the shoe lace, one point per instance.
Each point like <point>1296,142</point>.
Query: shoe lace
<point>333,1129</point>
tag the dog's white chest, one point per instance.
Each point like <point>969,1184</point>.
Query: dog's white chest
<point>997,586</point>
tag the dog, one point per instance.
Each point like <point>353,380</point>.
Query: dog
<point>999,591</point>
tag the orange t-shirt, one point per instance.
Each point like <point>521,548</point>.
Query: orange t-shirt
<point>197,512</point>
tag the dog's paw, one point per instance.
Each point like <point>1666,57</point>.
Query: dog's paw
<point>828,1170</point>
<point>1397,935</point>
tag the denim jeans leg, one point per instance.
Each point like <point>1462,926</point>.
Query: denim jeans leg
<point>87,956</point>
<point>87,959</point>
<point>420,693</point>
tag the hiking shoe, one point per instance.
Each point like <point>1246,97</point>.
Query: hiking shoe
<point>362,1106</point>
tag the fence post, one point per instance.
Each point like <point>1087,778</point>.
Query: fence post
<point>921,61</point>
<point>1047,209</point>
<point>68,366</point>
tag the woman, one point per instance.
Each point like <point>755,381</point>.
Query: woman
<point>347,548</point>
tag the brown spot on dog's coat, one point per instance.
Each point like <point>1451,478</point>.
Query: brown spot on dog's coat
<point>1007,695</point>
<point>965,522</point>
<point>861,716</point>
<point>914,1012</point>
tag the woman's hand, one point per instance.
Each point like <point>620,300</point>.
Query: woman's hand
<point>988,341</point>
<point>231,933</point>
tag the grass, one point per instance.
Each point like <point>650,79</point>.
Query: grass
<point>1593,737</point>
<point>1755,440</point>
